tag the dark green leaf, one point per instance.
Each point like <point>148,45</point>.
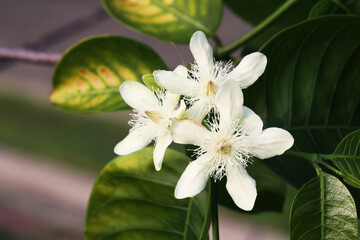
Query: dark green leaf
<point>323,209</point>
<point>325,7</point>
<point>347,158</point>
<point>170,20</point>
<point>250,10</point>
<point>271,190</point>
<point>311,88</point>
<point>288,13</point>
<point>88,76</point>
<point>130,200</point>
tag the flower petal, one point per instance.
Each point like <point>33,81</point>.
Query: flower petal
<point>162,142</point>
<point>181,70</point>
<point>197,112</point>
<point>271,142</point>
<point>241,187</point>
<point>134,141</point>
<point>175,83</point>
<point>180,110</point>
<point>138,96</point>
<point>171,100</point>
<point>194,178</point>
<point>188,131</point>
<point>229,102</point>
<point>202,52</point>
<point>252,123</point>
<point>249,69</point>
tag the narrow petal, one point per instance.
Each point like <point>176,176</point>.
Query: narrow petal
<point>196,112</point>
<point>188,131</point>
<point>162,142</point>
<point>171,100</point>
<point>175,83</point>
<point>252,123</point>
<point>271,142</point>
<point>194,179</point>
<point>229,102</point>
<point>180,110</point>
<point>202,52</point>
<point>134,141</point>
<point>241,187</point>
<point>138,96</point>
<point>249,69</point>
<point>181,70</point>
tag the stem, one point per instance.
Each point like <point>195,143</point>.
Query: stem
<point>220,52</point>
<point>217,41</point>
<point>21,54</point>
<point>312,157</point>
<point>214,211</point>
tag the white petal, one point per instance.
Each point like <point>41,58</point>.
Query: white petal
<point>271,142</point>
<point>171,100</point>
<point>194,179</point>
<point>229,102</point>
<point>196,112</point>
<point>175,83</point>
<point>252,123</point>
<point>202,52</point>
<point>181,70</point>
<point>138,96</point>
<point>134,141</point>
<point>162,142</point>
<point>241,187</point>
<point>188,131</point>
<point>249,69</point>
<point>179,112</point>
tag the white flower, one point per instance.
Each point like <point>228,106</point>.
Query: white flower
<point>151,121</point>
<point>236,135</point>
<point>206,75</point>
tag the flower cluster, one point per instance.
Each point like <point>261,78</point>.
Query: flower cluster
<point>233,135</point>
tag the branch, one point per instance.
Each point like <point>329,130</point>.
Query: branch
<point>25,55</point>
<point>53,37</point>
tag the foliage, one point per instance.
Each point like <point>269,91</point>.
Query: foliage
<point>310,88</point>
<point>129,201</point>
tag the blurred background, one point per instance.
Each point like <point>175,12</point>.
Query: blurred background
<point>49,158</point>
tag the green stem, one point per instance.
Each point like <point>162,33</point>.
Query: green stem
<point>312,157</point>
<point>221,52</point>
<point>336,171</point>
<point>217,41</point>
<point>214,211</point>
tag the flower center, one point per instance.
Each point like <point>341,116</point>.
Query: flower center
<point>211,88</point>
<point>154,116</point>
<point>223,147</point>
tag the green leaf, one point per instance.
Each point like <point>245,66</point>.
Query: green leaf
<point>88,76</point>
<point>325,7</point>
<point>271,190</point>
<point>347,158</point>
<point>311,88</point>
<point>286,14</point>
<point>323,209</point>
<point>170,20</point>
<point>150,82</point>
<point>130,200</point>
<point>250,10</point>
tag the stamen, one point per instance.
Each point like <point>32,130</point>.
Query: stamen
<point>223,147</point>
<point>211,88</point>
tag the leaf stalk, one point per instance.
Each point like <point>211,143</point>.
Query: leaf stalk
<point>214,211</point>
<point>221,52</point>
